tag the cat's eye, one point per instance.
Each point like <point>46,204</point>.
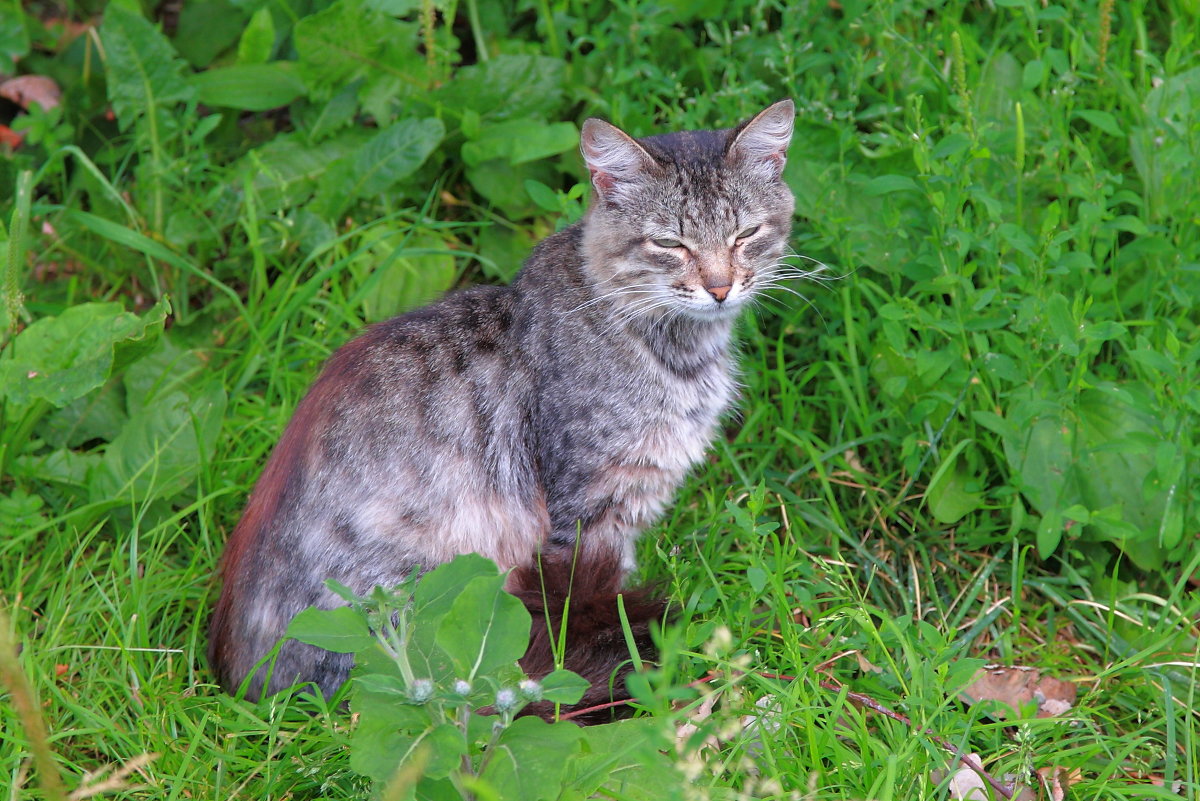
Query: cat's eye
<point>667,243</point>
<point>747,233</point>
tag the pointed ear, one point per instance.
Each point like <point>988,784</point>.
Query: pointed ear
<point>616,162</point>
<point>761,144</point>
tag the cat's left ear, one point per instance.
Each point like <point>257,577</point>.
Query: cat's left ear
<point>761,144</point>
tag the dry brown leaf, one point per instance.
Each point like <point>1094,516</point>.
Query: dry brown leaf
<point>1019,686</point>
<point>25,90</point>
<point>865,665</point>
<point>685,730</point>
<point>967,785</point>
<point>68,29</point>
<point>1057,780</point>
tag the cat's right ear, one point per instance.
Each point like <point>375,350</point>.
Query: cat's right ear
<point>616,162</point>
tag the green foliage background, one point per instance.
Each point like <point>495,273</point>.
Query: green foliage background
<point>974,438</point>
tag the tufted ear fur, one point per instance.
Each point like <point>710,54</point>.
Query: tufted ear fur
<point>616,162</point>
<point>761,144</point>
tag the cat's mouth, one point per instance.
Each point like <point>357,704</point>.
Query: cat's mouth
<point>711,308</point>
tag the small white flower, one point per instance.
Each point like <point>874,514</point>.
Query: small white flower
<point>462,687</point>
<point>531,690</point>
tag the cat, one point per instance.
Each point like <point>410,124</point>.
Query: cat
<point>511,420</point>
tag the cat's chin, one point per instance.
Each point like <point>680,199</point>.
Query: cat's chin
<point>714,313</point>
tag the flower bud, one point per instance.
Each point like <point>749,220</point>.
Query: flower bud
<point>506,699</point>
<point>421,691</point>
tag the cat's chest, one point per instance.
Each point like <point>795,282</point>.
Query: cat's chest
<point>678,424</point>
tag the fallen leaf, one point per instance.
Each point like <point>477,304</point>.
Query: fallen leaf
<point>25,90</point>
<point>10,137</point>
<point>1017,687</point>
<point>702,713</point>
<point>865,665</point>
<point>967,785</point>
<point>1057,780</point>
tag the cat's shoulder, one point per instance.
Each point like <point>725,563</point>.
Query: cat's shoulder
<point>560,248</point>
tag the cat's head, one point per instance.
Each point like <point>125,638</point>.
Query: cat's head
<point>690,222</point>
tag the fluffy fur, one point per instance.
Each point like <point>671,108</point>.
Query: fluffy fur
<point>504,420</point>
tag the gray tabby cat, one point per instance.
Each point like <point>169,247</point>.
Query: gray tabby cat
<point>505,420</point>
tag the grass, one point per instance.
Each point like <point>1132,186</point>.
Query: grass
<point>972,442</point>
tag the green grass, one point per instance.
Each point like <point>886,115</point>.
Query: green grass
<point>972,441</point>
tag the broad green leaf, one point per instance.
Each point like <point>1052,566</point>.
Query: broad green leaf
<point>950,145</point>
<point>342,630</point>
<point>446,745</point>
<point>1049,534</point>
<point>162,448</point>
<point>1102,120</point>
<point>1032,74</point>
<point>485,628</point>
<point>322,119</point>
<point>886,184</point>
<point>14,39</point>
<point>59,359</point>
<point>563,687</point>
<point>531,757</point>
<point>433,598</point>
<point>625,759</point>
<point>257,41</point>
<point>249,87</point>
<point>1042,458</point>
<point>379,746</point>
<point>504,184</point>
<point>757,578</point>
<point>948,498</point>
<point>70,470</point>
<point>98,415</point>
<point>1062,322</point>
<point>383,684</point>
<point>995,423</point>
<point>507,87</point>
<point>143,71</point>
<point>1097,455</point>
<point>543,195</point>
<point>520,141</point>
<point>167,368</point>
<point>208,28</point>
<point>388,157</point>
<point>394,153</point>
<point>285,171</point>
<point>351,40</point>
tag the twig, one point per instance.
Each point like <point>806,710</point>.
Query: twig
<point>870,703</point>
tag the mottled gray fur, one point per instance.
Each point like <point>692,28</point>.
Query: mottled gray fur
<point>501,420</point>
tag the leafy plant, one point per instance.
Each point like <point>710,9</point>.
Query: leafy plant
<point>429,656</point>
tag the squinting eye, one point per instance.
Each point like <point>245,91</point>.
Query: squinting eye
<point>749,232</point>
<point>667,243</point>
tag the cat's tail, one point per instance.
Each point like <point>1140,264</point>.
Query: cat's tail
<point>596,645</point>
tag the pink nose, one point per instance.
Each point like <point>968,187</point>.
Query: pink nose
<point>718,292</point>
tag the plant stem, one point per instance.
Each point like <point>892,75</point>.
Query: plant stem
<point>13,679</point>
<point>481,52</point>
<point>10,290</point>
